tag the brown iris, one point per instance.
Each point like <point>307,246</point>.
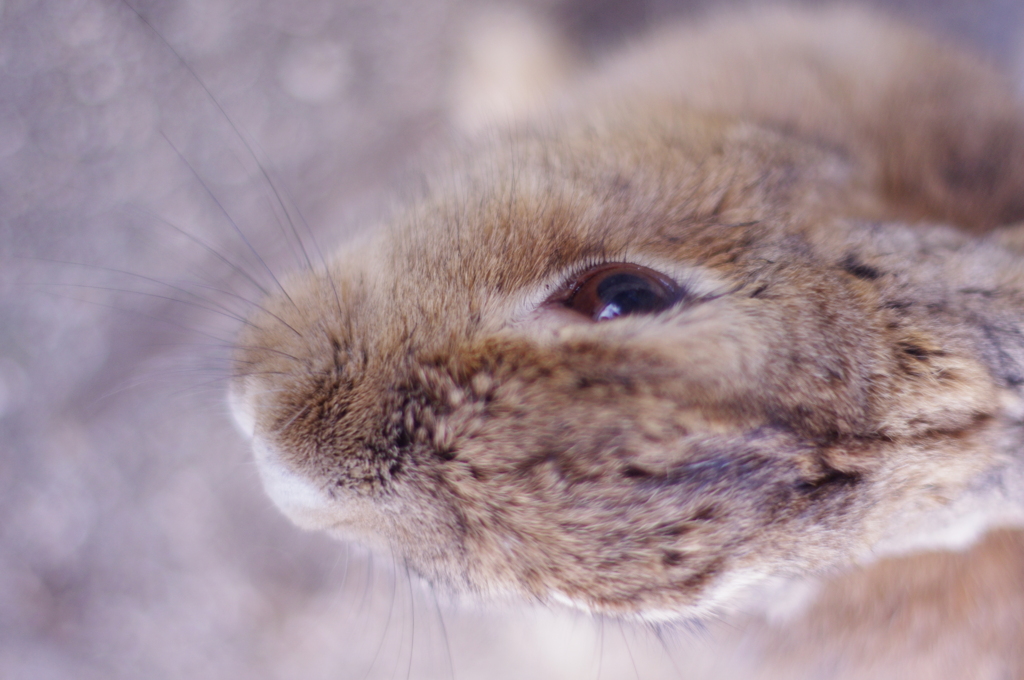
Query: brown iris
<point>617,289</point>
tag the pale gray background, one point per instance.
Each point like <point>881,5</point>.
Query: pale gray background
<point>135,541</point>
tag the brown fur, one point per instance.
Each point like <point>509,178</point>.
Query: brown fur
<point>936,615</point>
<point>839,376</point>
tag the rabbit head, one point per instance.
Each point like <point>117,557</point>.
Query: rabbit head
<point>637,365</point>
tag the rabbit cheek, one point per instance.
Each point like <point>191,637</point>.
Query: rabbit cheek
<point>583,523</point>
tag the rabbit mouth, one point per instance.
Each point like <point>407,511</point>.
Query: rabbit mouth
<point>301,501</point>
<point>307,505</point>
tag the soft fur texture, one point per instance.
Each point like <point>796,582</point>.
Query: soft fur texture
<point>842,379</point>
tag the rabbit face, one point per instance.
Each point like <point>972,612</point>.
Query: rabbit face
<point>635,375</point>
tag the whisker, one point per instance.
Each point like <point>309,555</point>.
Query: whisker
<point>242,138</point>
<point>220,380</point>
<point>227,215</point>
<point>128,291</point>
<point>279,203</point>
<point>292,419</point>
<point>369,586</point>
<point>629,651</point>
<point>209,248</point>
<point>216,103</point>
<point>195,390</point>
<point>254,304</point>
<point>253,374</point>
<point>257,348</point>
<point>387,626</point>
<point>135,312</point>
<point>214,345</point>
<point>444,634</point>
<point>309,230</point>
<point>151,379</point>
<point>412,621</point>
<point>348,565</point>
<point>658,634</point>
<point>221,308</point>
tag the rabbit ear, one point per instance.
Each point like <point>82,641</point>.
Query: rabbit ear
<point>1010,237</point>
<point>939,132</point>
<point>509,63</point>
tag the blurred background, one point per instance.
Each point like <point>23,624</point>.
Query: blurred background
<point>151,160</point>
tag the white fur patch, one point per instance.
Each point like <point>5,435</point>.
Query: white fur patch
<point>943,531</point>
<point>296,497</point>
<point>241,413</point>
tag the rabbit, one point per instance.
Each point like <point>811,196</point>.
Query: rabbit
<point>743,305</point>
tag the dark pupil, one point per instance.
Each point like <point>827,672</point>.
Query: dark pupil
<point>623,294</point>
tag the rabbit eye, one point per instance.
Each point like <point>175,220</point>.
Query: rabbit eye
<point>618,289</point>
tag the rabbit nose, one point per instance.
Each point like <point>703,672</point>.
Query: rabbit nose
<point>294,495</point>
